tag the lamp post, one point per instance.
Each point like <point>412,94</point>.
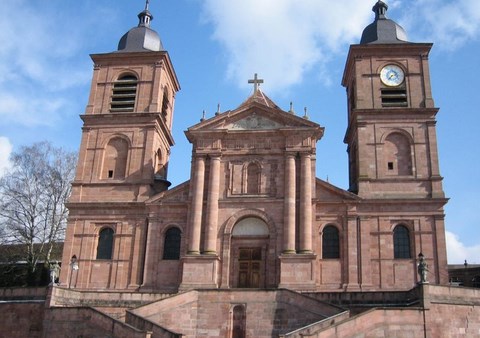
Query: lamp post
<point>73,267</point>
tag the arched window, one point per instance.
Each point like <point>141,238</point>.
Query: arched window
<point>251,226</point>
<point>171,247</point>
<point>398,159</point>
<point>401,242</point>
<point>105,244</point>
<point>253,179</point>
<point>124,94</point>
<point>115,159</point>
<point>165,102</point>
<point>330,242</point>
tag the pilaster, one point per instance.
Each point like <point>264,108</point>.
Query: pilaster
<point>351,252</point>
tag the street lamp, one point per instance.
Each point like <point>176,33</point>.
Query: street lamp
<point>73,267</point>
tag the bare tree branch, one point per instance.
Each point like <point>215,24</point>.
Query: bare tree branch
<point>32,199</point>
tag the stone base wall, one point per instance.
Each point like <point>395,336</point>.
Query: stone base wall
<point>70,297</point>
<point>86,322</point>
<point>209,313</point>
<point>441,312</point>
<point>23,293</point>
<point>436,311</point>
<point>452,311</point>
<point>22,319</point>
<point>377,323</point>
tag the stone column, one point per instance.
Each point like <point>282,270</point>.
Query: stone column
<point>197,206</point>
<point>212,206</point>
<point>306,204</point>
<point>289,205</point>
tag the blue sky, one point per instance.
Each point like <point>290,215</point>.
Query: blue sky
<point>298,47</point>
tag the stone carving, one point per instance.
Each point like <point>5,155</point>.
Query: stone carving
<point>254,122</point>
<point>422,269</point>
<point>54,272</point>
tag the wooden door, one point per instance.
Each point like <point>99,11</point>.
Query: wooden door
<point>250,262</point>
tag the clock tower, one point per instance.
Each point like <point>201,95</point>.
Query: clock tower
<point>391,136</point>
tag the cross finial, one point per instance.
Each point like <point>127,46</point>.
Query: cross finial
<point>145,16</point>
<point>256,82</point>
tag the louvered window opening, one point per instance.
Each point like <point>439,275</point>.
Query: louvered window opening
<point>394,97</point>
<point>124,94</point>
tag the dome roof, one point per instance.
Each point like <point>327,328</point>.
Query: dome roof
<point>383,30</point>
<point>141,38</point>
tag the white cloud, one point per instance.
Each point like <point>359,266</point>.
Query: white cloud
<point>458,252</point>
<point>5,151</point>
<point>449,24</point>
<point>284,39</point>
<point>31,110</point>
<point>37,57</point>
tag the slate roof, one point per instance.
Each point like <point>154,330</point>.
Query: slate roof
<point>383,30</point>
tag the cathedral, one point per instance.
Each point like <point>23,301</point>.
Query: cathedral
<point>253,244</point>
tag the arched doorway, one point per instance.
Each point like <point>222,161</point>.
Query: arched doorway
<point>239,319</point>
<point>249,250</point>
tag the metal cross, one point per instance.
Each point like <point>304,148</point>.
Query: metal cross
<point>256,82</point>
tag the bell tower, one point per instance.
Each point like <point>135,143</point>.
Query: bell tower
<point>391,134</point>
<point>123,160</point>
<point>126,136</point>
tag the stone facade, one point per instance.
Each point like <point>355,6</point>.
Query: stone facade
<point>253,189</point>
<point>254,245</point>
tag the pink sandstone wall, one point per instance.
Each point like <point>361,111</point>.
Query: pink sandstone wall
<point>86,322</point>
<point>452,311</point>
<point>378,323</point>
<point>443,312</point>
<point>208,314</point>
<point>21,319</point>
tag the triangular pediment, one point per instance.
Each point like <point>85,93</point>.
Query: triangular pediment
<point>257,113</point>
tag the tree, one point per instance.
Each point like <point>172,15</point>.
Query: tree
<point>33,194</point>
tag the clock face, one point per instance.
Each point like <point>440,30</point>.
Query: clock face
<point>392,75</point>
